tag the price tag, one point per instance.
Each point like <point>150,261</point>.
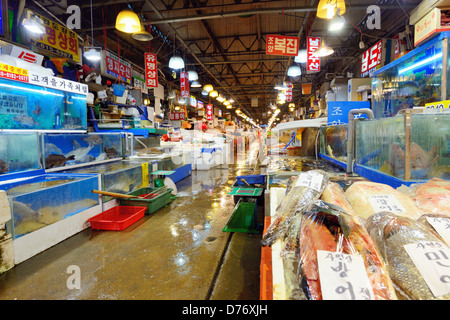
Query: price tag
<point>343,277</point>
<point>432,259</point>
<point>442,227</point>
<point>386,203</point>
<point>311,180</point>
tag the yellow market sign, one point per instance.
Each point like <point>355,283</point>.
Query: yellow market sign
<point>437,107</point>
<point>58,40</point>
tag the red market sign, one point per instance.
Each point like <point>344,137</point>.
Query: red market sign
<point>184,84</point>
<point>282,45</point>
<point>290,86</point>
<point>176,116</point>
<point>371,59</point>
<point>117,67</point>
<point>209,112</point>
<point>313,62</point>
<point>151,70</point>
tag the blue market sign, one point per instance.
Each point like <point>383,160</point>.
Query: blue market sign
<point>338,110</point>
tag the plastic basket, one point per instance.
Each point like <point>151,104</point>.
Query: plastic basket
<point>150,205</point>
<point>251,179</point>
<point>117,218</point>
<point>118,89</point>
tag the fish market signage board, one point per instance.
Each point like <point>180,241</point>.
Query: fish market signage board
<point>282,45</point>
<point>338,110</point>
<point>12,104</point>
<point>115,67</point>
<point>31,77</point>
<point>57,40</point>
<point>371,59</point>
<point>437,107</point>
<point>343,277</point>
<point>432,259</point>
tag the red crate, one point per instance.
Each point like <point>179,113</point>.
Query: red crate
<point>117,218</point>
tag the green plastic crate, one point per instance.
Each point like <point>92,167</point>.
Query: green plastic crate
<point>153,204</point>
<point>243,218</point>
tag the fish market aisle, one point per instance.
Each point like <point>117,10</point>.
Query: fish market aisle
<point>180,252</point>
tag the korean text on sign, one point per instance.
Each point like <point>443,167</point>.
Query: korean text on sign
<point>209,112</point>
<point>151,70</point>
<point>290,86</point>
<point>57,39</point>
<point>313,62</point>
<point>282,45</point>
<point>371,58</point>
<point>184,84</point>
<point>117,67</point>
<point>13,73</point>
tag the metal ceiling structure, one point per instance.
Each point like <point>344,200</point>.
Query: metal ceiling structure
<point>225,40</point>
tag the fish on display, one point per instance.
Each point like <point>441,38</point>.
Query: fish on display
<point>3,166</point>
<point>87,158</point>
<point>396,162</point>
<point>111,153</point>
<point>23,212</point>
<point>422,161</point>
<point>57,160</point>
<point>101,156</point>
<point>50,148</point>
<point>93,140</point>
<point>25,121</point>
<point>79,152</point>
<point>37,110</point>
<point>390,233</point>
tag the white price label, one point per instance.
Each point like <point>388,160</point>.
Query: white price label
<point>442,227</point>
<point>432,259</point>
<point>343,277</point>
<point>386,203</point>
<point>311,180</point>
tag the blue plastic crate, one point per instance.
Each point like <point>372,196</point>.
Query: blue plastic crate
<point>251,179</point>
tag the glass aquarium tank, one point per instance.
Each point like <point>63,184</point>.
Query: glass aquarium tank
<point>333,142</point>
<point>380,146</point>
<point>65,149</point>
<point>47,198</point>
<point>118,176</point>
<point>412,80</point>
<point>18,152</point>
<point>27,106</point>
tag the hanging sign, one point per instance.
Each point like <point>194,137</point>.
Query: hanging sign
<point>371,59</point>
<point>184,84</point>
<point>13,73</point>
<point>176,116</point>
<point>151,70</point>
<point>313,62</point>
<point>200,104</point>
<point>282,45</point>
<point>117,67</point>
<point>290,86</point>
<point>209,112</point>
<point>57,40</point>
<point>428,26</point>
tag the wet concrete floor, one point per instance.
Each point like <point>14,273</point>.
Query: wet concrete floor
<point>178,253</point>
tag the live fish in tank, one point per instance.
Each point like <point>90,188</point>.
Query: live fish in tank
<point>396,162</point>
<point>57,160</point>
<point>25,121</point>
<point>93,139</point>
<point>52,148</point>
<point>37,110</point>
<point>101,156</point>
<point>79,152</point>
<point>3,166</point>
<point>111,152</point>
<point>23,212</point>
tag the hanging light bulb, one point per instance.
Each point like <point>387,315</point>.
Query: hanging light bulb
<point>294,71</point>
<point>93,54</point>
<point>208,88</point>
<point>337,23</point>
<point>128,21</point>
<point>328,8</point>
<point>176,62</point>
<point>323,50</point>
<point>34,24</point>
<point>193,75</point>
<point>213,94</point>
<point>196,84</point>
<point>302,56</point>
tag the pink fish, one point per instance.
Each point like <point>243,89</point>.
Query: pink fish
<point>396,162</point>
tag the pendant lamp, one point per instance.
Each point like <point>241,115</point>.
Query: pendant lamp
<point>193,75</point>
<point>214,94</point>
<point>294,71</point>
<point>302,56</point>
<point>208,88</point>
<point>34,24</point>
<point>128,21</point>
<point>176,62</point>
<point>196,84</point>
<point>328,8</point>
<point>323,50</point>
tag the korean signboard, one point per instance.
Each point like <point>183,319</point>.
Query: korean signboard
<point>57,40</point>
<point>177,116</point>
<point>151,70</point>
<point>184,84</point>
<point>290,86</point>
<point>22,54</point>
<point>428,26</point>
<point>371,59</point>
<point>13,73</point>
<point>200,104</point>
<point>282,45</point>
<point>116,67</point>
<point>313,62</point>
<point>338,110</point>
<point>209,112</point>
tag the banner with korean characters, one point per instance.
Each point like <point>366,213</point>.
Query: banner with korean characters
<point>371,59</point>
<point>282,45</point>
<point>290,87</point>
<point>209,112</point>
<point>114,66</point>
<point>33,77</point>
<point>57,39</point>
<point>184,84</point>
<point>313,62</point>
<point>151,70</point>
<point>438,107</point>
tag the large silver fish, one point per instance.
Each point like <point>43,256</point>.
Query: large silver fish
<point>390,233</point>
<point>23,212</point>
<point>25,121</point>
<point>79,152</point>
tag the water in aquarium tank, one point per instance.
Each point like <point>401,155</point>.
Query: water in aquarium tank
<point>333,141</point>
<point>46,199</point>
<point>380,145</point>
<point>18,152</point>
<point>26,106</point>
<point>66,149</point>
